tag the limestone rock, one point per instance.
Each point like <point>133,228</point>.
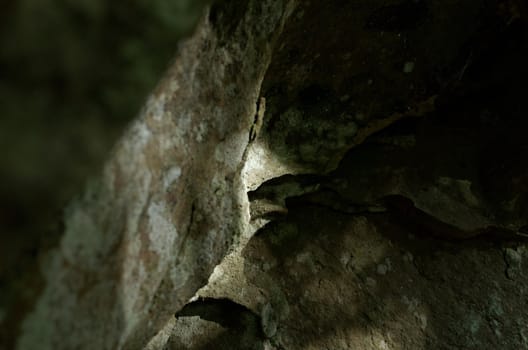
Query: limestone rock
<point>148,234</point>
<point>387,183</point>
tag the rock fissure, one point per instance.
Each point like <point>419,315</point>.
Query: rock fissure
<point>343,175</point>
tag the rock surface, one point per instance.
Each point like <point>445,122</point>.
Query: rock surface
<point>382,205</point>
<point>147,235</point>
<point>390,196</point>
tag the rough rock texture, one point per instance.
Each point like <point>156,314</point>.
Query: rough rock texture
<point>73,76</point>
<point>387,187</point>
<point>389,182</point>
<point>364,282</point>
<point>146,236</point>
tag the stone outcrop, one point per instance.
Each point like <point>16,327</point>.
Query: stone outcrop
<point>389,192</point>
<point>170,203</point>
<point>381,203</point>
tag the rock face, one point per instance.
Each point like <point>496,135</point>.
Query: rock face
<point>383,204</point>
<point>146,236</point>
<point>388,186</point>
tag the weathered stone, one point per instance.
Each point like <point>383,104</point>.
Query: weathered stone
<point>414,239</point>
<point>147,235</point>
<point>388,199</point>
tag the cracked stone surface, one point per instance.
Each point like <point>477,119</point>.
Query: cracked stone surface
<point>170,203</point>
<point>382,205</point>
<point>389,199</point>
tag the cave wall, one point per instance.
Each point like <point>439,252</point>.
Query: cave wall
<point>146,235</point>
<point>389,186</point>
<point>381,202</point>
